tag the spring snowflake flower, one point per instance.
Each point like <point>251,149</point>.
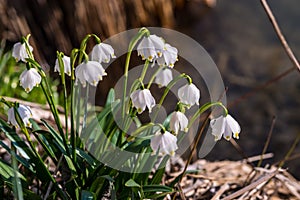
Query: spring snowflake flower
<point>25,114</point>
<point>29,79</point>
<point>91,72</point>
<point>19,51</point>
<point>67,65</point>
<point>163,77</point>
<point>225,126</point>
<point>178,122</point>
<point>151,47</point>
<point>142,98</point>
<point>165,143</point>
<point>102,53</point>
<point>189,94</point>
<point>169,56</point>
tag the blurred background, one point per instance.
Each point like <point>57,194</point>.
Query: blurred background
<point>236,33</point>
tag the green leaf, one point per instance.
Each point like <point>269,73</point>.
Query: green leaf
<point>7,171</point>
<point>23,161</point>
<point>110,97</point>
<point>132,183</point>
<point>16,140</point>
<point>157,188</point>
<point>70,164</point>
<point>46,145</point>
<point>17,186</point>
<point>87,195</point>
<point>89,159</point>
<point>157,177</point>
<point>166,123</point>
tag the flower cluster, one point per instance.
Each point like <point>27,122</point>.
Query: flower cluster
<point>151,48</point>
<point>156,50</point>
<point>90,71</point>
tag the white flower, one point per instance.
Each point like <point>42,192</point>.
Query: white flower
<point>189,94</point>
<point>29,79</point>
<point>165,143</point>
<point>90,71</point>
<point>67,65</point>
<point>169,56</point>
<point>151,47</point>
<point>225,126</point>
<point>24,112</point>
<point>178,122</point>
<point>163,77</point>
<point>19,51</point>
<point>142,98</point>
<point>102,53</point>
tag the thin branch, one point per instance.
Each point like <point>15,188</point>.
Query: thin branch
<point>267,141</point>
<point>282,39</point>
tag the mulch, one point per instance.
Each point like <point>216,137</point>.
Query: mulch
<point>232,180</point>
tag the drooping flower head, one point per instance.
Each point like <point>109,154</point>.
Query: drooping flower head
<point>67,65</point>
<point>163,77</point>
<point>178,122</point>
<point>164,143</point>
<point>29,79</point>
<point>19,51</point>
<point>102,53</point>
<point>150,47</point>
<point>225,126</point>
<point>91,72</point>
<point>189,94</point>
<point>24,112</point>
<point>169,56</point>
<point>141,99</point>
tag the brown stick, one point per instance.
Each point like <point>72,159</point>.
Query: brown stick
<point>282,39</point>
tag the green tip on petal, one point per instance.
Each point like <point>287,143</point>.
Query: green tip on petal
<point>227,138</point>
<point>236,135</point>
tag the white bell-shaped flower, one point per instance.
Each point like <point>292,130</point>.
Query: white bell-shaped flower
<point>164,143</point>
<point>19,51</point>
<point>141,99</point>
<point>189,94</point>
<point>178,122</point>
<point>24,112</point>
<point>29,79</point>
<point>102,53</point>
<point>150,47</point>
<point>225,126</point>
<point>67,65</point>
<point>163,77</point>
<point>91,72</point>
<point>169,56</point>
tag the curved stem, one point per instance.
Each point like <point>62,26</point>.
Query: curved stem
<point>132,44</point>
<point>168,88</point>
<point>204,108</point>
<point>63,81</point>
<point>145,68</point>
<point>153,77</point>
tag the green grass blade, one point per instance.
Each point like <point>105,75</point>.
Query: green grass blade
<point>17,186</point>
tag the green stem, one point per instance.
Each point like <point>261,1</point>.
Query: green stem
<point>153,77</point>
<point>63,81</point>
<point>166,91</point>
<point>139,130</point>
<point>54,111</point>
<point>145,68</point>
<point>132,44</point>
<point>203,108</point>
<point>73,57</point>
<point>85,106</point>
